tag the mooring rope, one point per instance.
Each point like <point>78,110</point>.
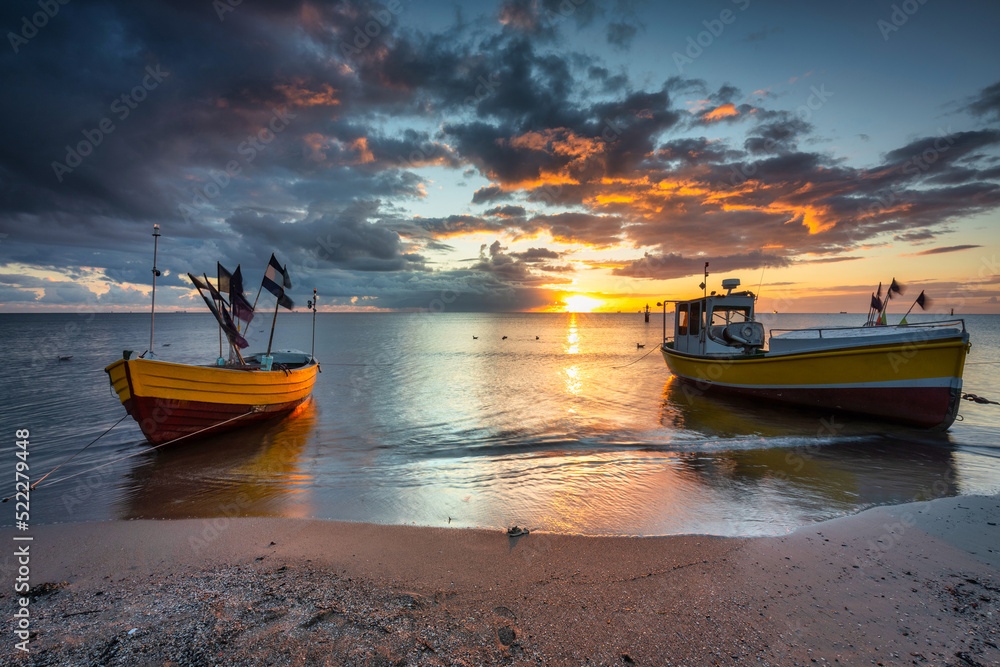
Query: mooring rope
<point>139,453</point>
<point>79,452</point>
<point>978,399</point>
<point>637,360</point>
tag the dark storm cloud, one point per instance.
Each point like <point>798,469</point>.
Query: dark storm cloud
<point>695,151</point>
<point>912,237</point>
<point>829,260</point>
<point>489,193</point>
<point>951,248</point>
<point>454,225</point>
<point>302,128</point>
<point>779,135</point>
<point>581,227</point>
<point>189,137</point>
<point>610,83</point>
<point>517,268</point>
<point>932,155</point>
<point>762,34</point>
<point>347,240</point>
<point>536,255</point>
<point>620,35</point>
<point>664,267</point>
<point>987,103</point>
<point>506,211</point>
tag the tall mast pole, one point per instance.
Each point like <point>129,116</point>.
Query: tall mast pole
<point>273,321</point>
<point>152,309</point>
<point>312,353</point>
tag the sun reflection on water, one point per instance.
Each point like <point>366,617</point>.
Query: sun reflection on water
<point>572,337</point>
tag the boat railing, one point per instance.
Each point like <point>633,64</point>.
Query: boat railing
<point>875,328</point>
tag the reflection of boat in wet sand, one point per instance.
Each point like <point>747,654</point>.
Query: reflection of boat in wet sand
<point>910,373</point>
<point>172,400</point>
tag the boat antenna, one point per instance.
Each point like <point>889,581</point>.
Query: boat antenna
<point>312,304</point>
<point>757,295</point>
<point>156,272</point>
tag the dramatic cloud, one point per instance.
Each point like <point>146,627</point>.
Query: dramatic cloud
<point>620,35</point>
<point>676,266</point>
<point>374,151</point>
<point>987,103</point>
<point>953,248</point>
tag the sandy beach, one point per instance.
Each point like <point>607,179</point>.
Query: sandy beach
<point>908,584</point>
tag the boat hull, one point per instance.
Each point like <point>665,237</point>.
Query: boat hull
<point>916,383</point>
<point>170,401</point>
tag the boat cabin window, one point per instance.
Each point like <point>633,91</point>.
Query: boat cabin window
<point>722,315</point>
<point>682,319</point>
<point>695,327</point>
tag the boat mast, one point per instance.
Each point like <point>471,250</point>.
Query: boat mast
<point>152,308</point>
<point>312,304</point>
<point>273,322</point>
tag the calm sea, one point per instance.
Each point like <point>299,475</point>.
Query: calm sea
<point>435,419</point>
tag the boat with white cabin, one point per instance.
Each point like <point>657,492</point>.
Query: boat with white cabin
<point>905,373</point>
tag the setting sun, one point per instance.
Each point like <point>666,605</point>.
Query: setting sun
<point>579,303</point>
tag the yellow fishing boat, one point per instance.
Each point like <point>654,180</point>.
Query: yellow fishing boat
<point>170,401</point>
<point>908,373</point>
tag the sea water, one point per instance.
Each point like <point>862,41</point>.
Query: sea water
<point>572,423</point>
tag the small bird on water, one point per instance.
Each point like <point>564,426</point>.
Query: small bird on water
<point>504,338</point>
<point>639,346</point>
<point>475,338</point>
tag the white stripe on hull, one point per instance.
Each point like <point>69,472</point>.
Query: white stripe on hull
<point>919,383</point>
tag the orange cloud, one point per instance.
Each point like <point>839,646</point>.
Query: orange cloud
<point>315,148</point>
<point>360,147</point>
<point>300,95</point>
<point>720,112</point>
<point>559,141</point>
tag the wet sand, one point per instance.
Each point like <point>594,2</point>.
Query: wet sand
<point>910,584</point>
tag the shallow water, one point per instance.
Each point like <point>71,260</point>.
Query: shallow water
<point>414,421</point>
